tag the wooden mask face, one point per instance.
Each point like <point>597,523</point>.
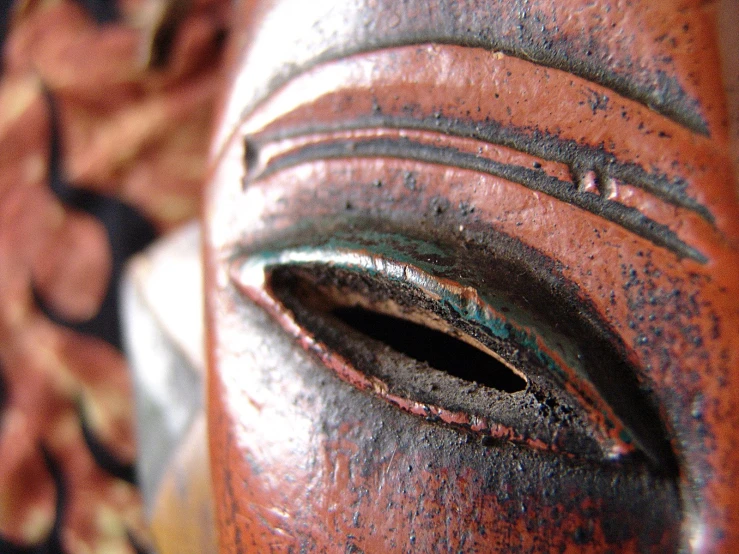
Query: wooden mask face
<point>472,280</point>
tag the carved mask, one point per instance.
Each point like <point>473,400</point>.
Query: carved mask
<point>472,280</point>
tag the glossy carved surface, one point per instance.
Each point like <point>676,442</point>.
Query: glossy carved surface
<point>550,184</point>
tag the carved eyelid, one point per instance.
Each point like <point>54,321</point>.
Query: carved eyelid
<point>253,276</point>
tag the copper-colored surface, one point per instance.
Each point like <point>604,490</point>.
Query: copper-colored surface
<point>586,145</point>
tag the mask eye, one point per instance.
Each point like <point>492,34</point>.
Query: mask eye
<point>494,359</point>
<point>461,358</point>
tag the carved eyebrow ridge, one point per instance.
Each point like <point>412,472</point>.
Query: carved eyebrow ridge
<point>404,148</point>
<point>579,158</point>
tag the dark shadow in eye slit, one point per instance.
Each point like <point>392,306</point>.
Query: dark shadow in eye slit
<point>439,350</point>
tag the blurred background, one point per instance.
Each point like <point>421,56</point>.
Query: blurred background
<point>106,111</point>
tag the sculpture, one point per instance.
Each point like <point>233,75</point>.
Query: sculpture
<point>471,285</point>
<point>550,184</point>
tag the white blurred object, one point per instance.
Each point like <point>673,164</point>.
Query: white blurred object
<point>162,313</point>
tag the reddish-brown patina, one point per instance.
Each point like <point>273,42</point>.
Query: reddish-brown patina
<point>551,184</point>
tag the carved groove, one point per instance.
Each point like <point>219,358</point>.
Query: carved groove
<point>628,218</point>
<point>579,158</point>
<point>527,35</point>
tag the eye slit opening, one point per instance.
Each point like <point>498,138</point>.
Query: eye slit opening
<point>303,285</point>
<point>441,351</point>
<point>305,289</point>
